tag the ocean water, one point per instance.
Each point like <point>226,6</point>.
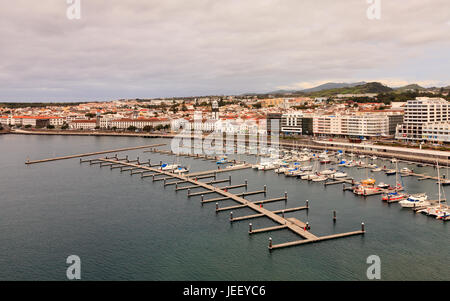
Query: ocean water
<point>127,228</point>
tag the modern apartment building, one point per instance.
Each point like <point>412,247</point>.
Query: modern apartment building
<point>367,125</point>
<point>420,112</point>
<point>436,132</point>
<point>291,123</point>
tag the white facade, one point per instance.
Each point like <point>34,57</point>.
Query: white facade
<point>436,132</point>
<point>351,125</point>
<point>138,123</point>
<point>419,112</point>
<point>292,122</point>
<point>83,124</point>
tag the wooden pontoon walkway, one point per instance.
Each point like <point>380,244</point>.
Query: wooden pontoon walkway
<point>93,154</point>
<point>292,224</point>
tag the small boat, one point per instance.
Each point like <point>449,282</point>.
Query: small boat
<point>328,172</point>
<point>325,161</point>
<point>415,200</point>
<point>305,168</point>
<point>394,160</point>
<point>394,196</point>
<point>222,161</point>
<point>374,157</point>
<point>166,166</point>
<point>368,182</point>
<point>320,178</point>
<point>292,172</point>
<point>309,176</point>
<point>390,172</point>
<point>339,174</point>
<point>342,163</point>
<point>445,182</point>
<point>372,166</point>
<point>281,170</point>
<point>444,215</point>
<point>236,165</point>
<point>181,169</point>
<point>383,185</point>
<point>405,170</point>
<point>377,169</point>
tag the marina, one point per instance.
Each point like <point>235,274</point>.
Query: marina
<point>292,224</point>
<point>180,211</point>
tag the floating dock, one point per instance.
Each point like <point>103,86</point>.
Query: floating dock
<point>278,216</point>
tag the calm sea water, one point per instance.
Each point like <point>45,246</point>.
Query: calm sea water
<point>126,228</point>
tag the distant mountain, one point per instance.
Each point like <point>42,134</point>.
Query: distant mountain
<point>329,86</point>
<point>373,87</point>
<point>410,87</point>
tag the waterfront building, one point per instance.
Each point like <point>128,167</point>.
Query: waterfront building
<point>291,123</point>
<point>83,124</point>
<point>139,123</point>
<point>436,132</point>
<point>420,112</point>
<point>366,125</point>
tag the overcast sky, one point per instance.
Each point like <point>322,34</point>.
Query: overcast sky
<point>145,48</point>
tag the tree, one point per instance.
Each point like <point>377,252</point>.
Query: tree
<point>114,128</point>
<point>159,127</point>
<point>27,126</point>
<point>148,128</point>
<point>174,108</point>
<point>132,128</point>
<point>50,126</point>
<point>65,126</point>
<point>97,127</point>
<point>1,127</point>
<point>257,105</point>
<point>90,115</point>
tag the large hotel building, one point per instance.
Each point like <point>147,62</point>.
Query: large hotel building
<point>425,119</point>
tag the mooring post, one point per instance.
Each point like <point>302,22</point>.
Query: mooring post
<point>270,242</point>
<point>116,156</point>
<point>307,226</point>
<point>307,204</point>
<point>215,176</point>
<point>231,216</point>
<point>362,227</point>
<point>285,196</point>
<point>153,177</point>
<point>229,179</point>
<point>265,190</point>
<point>164,182</point>
<point>246,184</point>
<point>160,163</point>
<point>189,191</point>
<point>126,158</point>
<point>80,160</point>
<point>217,207</point>
<point>282,214</point>
<point>334,215</point>
<point>250,228</point>
<point>138,160</point>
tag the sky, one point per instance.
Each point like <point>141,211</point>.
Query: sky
<point>147,49</point>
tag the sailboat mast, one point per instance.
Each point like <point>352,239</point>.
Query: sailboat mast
<point>439,182</point>
<point>396,174</point>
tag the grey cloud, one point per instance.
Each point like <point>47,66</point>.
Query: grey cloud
<point>173,47</point>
